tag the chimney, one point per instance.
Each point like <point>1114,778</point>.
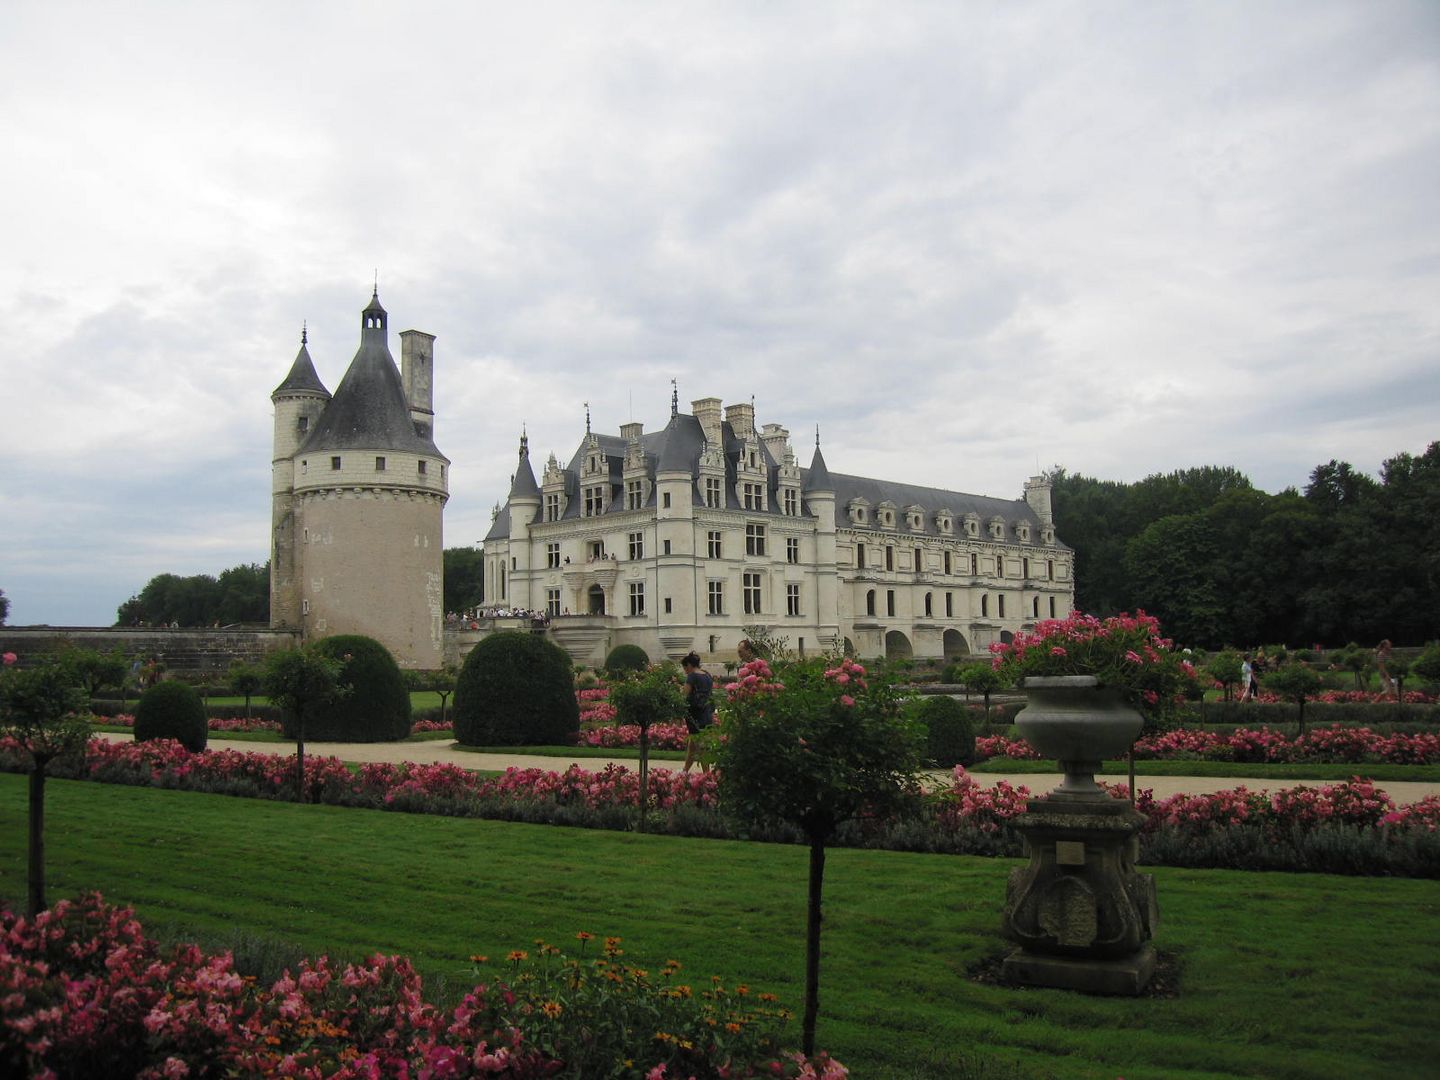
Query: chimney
<point>632,431</point>
<point>707,411</point>
<point>417,375</point>
<point>775,438</point>
<point>742,419</point>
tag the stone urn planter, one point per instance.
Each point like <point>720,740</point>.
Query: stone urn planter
<point>1078,722</point>
<point>1081,914</point>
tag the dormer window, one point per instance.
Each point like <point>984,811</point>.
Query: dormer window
<point>915,518</point>
<point>1022,531</point>
<point>945,522</point>
<point>997,528</point>
<point>972,525</point>
<point>859,511</point>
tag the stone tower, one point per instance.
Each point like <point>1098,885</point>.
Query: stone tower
<point>358,493</point>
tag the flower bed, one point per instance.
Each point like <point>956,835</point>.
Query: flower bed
<point>1332,745</point>
<point>87,994</point>
<point>662,736</point>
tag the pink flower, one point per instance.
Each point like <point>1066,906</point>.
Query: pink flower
<point>846,700</point>
<point>9,658</point>
<point>1058,651</point>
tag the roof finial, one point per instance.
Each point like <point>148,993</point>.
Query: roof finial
<point>375,292</point>
<point>304,332</point>
<point>524,440</point>
<point>674,398</point>
<point>587,418</point>
<point>817,436</point>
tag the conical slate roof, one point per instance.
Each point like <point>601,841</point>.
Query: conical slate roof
<point>369,410</point>
<point>302,377</point>
<point>523,486</point>
<point>817,478</point>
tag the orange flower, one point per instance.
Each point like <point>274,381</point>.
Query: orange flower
<point>516,955</point>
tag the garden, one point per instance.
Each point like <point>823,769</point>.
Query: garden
<point>589,949</point>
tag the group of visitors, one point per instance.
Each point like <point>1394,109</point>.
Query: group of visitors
<point>1257,663</point>
<point>699,706</point>
<point>471,618</point>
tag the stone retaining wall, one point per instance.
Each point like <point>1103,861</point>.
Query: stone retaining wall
<point>189,651</point>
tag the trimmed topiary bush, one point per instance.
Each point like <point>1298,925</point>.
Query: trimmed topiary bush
<point>949,731</point>
<point>375,708</point>
<point>172,710</point>
<point>516,689</point>
<point>624,659</point>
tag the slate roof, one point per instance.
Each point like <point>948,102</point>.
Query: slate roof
<point>817,477</point>
<point>369,410</point>
<point>523,485</point>
<point>928,499</point>
<point>302,377</point>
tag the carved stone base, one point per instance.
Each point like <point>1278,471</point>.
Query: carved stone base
<point>1125,975</point>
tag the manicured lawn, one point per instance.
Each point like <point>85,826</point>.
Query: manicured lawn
<point>1263,771</point>
<point>419,699</point>
<point>1280,975</point>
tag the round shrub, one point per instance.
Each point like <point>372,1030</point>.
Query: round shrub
<point>376,707</point>
<point>172,710</point>
<point>624,659</point>
<point>516,689</point>
<point>949,731</point>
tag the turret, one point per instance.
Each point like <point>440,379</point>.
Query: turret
<point>299,401</point>
<point>524,507</point>
<point>1037,494</point>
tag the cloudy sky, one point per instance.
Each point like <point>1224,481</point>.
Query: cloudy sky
<point>965,239</point>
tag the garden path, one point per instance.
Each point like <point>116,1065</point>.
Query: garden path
<point>1402,791</point>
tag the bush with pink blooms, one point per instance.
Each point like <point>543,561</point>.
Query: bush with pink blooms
<point>87,994</point>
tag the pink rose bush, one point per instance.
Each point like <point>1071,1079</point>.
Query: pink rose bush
<point>1332,745</point>
<point>662,736</point>
<point>84,993</point>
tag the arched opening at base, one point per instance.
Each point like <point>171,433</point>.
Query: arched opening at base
<point>955,645</point>
<point>597,600</point>
<point>897,646</point>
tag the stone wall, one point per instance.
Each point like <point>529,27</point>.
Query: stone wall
<point>183,651</point>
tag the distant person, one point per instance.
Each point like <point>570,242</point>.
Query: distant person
<point>1382,664</point>
<point>699,712</point>
<point>745,650</point>
<point>1247,679</point>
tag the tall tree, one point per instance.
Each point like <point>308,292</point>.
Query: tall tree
<point>240,594</point>
<point>464,578</point>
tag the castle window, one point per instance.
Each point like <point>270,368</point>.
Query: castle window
<point>753,496</point>
<point>715,596</point>
<point>637,598</point>
<point>667,547</point>
<point>379,464</point>
<point>597,550</point>
<point>421,467</point>
<point>999,565</point>
<point>335,464</point>
<point>792,599</point>
<point>1001,601</point>
<point>754,539</point>
<point>890,602</point>
<point>552,506</point>
<point>949,605</point>
<point>889,558</point>
<point>304,607</point>
<point>667,605</point>
<point>637,545</point>
<point>1050,569</point>
<point>792,502</point>
<point>975,564</point>
<point>751,593</point>
<point>870,602</point>
<point>552,555</point>
<point>714,544</point>
<point>712,491</point>
<point>860,558</point>
<point>919,560</point>
<point>304,424</point>
<point>792,550</point>
<point>1052,607</point>
<point>928,610</point>
<point>947,562</point>
<point>1035,607</point>
<point>304,468</point>
<point>665,500</point>
<point>984,606</point>
<point>442,472</point>
<point>594,501</point>
<point>634,494</point>
<point>552,601</point>
<point>1025,568</point>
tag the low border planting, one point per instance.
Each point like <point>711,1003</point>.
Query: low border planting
<point>1350,827</point>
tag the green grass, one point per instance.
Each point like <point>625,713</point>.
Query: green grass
<point>1282,975</point>
<point>419,699</point>
<point>1264,771</point>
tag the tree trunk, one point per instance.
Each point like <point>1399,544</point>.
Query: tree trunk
<point>1302,718</point>
<point>300,758</point>
<point>812,946</point>
<point>37,838</point>
<point>644,772</point>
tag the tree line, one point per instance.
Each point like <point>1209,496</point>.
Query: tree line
<point>1349,558</point>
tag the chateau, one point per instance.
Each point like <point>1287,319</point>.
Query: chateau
<point>680,538</point>
<point>357,491</point>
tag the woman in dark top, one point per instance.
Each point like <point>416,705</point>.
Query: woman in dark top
<point>699,713</point>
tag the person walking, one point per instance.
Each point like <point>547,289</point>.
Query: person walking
<point>699,712</point>
<point>1388,688</point>
<point>1247,679</point>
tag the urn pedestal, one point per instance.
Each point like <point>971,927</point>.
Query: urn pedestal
<point>1080,912</point>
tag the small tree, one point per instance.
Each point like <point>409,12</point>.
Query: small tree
<point>1226,668</point>
<point>440,681</point>
<point>1426,666</point>
<point>650,698</point>
<point>299,682</point>
<point>813,746</point>
<point>245,679</point>
<point>981,679</point>
<point>1399,671</point>
<point>37,709</point>
<point>1359,662</point>
<point>93,670</point>
<point>1294,682</point>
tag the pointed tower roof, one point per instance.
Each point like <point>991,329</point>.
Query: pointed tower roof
<point>369,410</point>
<point>818,477</point>
<point>302,377</point>
<point>523,486</point>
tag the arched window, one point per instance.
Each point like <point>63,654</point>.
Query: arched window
<point>984,605</point>
<point>870,602</point>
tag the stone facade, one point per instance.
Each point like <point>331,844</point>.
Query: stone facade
<point>358,491</point>
<point>680,538</point>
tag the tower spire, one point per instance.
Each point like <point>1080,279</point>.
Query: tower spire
<point>587,418</point>
<point>674,398</point>
<point>304,332</point>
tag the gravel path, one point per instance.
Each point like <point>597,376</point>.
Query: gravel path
<point>438,750</point>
